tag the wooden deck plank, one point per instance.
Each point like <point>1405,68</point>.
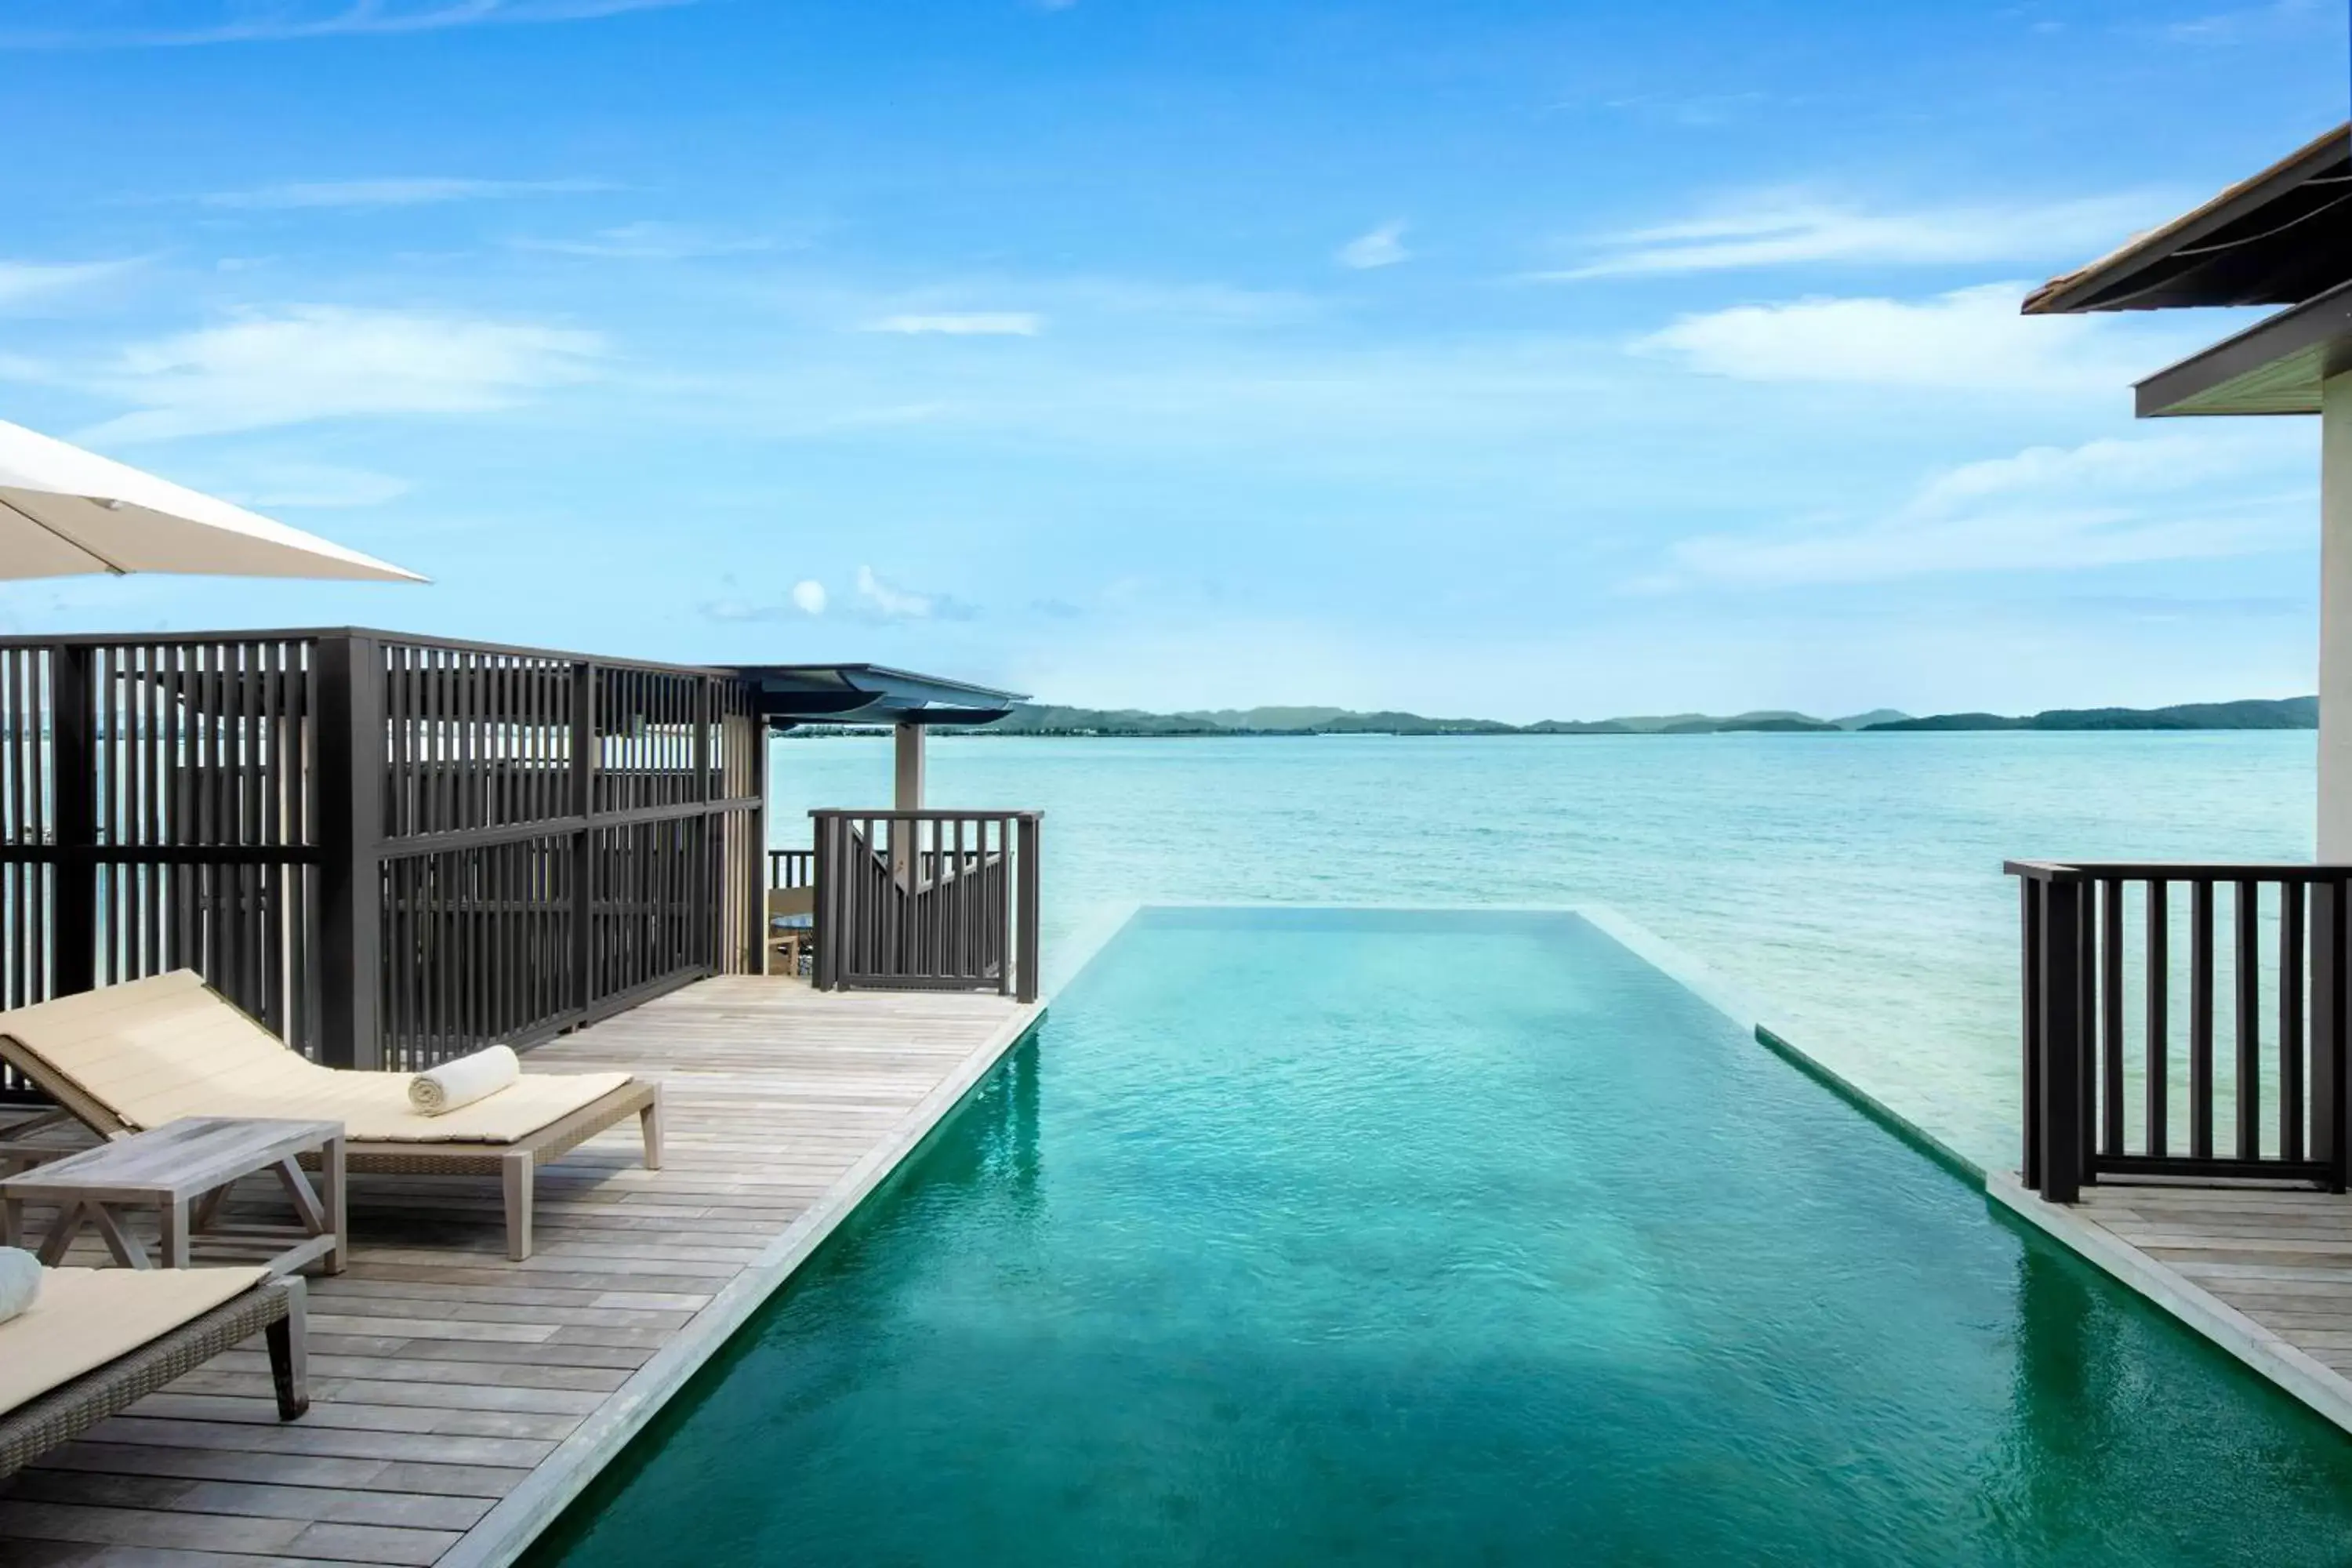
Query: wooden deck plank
<point>461,1400</point>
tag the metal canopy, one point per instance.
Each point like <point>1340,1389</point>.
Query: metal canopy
<point>2278,238</point>
<point>2276,366</point>
<point>790,694</point>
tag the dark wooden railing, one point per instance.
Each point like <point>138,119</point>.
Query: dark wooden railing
<point>2106,1012</point>
<point>789,868</point>
<point>927,901</point>
<point>391,849</point>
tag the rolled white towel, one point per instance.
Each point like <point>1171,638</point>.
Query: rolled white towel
<point>20,1282</point>
<point>463,1081</point>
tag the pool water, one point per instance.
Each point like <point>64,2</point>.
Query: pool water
<point>1399,1237</point>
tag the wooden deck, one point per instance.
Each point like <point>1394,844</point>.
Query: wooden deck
<point>2264,1272</point>
<point>462,1400</point>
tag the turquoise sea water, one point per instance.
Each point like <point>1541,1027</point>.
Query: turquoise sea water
<point>1302,1237</point>
<point>1851,884</point>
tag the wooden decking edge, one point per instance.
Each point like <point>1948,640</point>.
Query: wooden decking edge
<point>2310,1381</point>
<point>509,1528</point>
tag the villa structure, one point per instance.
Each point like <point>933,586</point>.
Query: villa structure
<point>2282,237</point>
<point>2187,1092</point>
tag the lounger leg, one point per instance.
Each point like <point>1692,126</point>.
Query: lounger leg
<point>208,1207</point>
<point>171,1235</point>
<point>128,1249</point>
<point>62,1230</point>
<point>649,1122</point>
<point>289,1351</point>
<point>517,1170</point>
<point>334,1198</point>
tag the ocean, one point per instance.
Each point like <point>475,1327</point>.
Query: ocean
<point>1849,886</point>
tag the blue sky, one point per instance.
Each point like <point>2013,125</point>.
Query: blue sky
<point>1518,360</point>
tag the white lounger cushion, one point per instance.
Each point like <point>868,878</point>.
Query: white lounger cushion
<point>88,1316</point>
<point>155,1051</point>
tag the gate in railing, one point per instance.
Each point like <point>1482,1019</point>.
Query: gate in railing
<point>391,849</point>
<point>2123,1077</point>
<point>941,901</point>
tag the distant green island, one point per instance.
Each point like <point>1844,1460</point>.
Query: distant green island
<point>1048,719</point>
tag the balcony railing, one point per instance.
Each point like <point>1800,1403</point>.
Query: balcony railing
<point>391,849</point>
<point>938,900</point>
<point>2123,1076</point>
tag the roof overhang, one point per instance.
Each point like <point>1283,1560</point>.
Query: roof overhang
<point>790,694</point>
<point>2278,238</point>
<point>2275,366</point>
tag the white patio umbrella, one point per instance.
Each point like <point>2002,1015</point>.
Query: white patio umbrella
<point>65,512</point>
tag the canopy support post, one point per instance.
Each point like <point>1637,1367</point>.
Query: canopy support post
<point>2336,619</point>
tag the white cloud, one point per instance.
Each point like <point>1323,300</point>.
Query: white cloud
<point>2279,18</point>
<point>889,603</point>
<point>650,241</point>
<point>808,596</point>
<point>409,192</point>
<point>29,282</point>
<point>1970,338</point>
<point>1381,246</point>
<point>967,324</point>
<point>276,484</point>
<point>247,24</point>
<point>1785,228</point>
<point>320,362</point>
<point>1688,111</point>
<point>2184,495</point>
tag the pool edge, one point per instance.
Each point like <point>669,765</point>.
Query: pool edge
<point>2295,1374</point>
<point>511,1527</point>
<point>1735,1003</point>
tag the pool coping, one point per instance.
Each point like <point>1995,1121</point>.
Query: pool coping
<point>512,1525</point>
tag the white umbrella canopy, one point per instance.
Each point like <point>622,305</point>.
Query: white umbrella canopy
<point>65,512</point>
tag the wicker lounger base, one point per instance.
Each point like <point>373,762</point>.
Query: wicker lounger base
<point>516,1165</point>
<point>276,1306</point>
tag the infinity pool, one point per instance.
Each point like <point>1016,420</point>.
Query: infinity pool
<point>1405,1237</point>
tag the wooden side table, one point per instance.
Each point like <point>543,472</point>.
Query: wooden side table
<point>183,1170</point>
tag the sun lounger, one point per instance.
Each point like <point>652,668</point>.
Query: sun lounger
<point>128,1058</point>
<point>98,1340</point>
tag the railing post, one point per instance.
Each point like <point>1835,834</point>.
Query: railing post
<point>1025,907</point>
<point>351,761</point>
<point>2065,1041</point>
<point>2157,1082</point>
<point>581,957</point>
<point>73,781</point>
<point>2329,1024</point>
<point>761,873</point>
<point>2029,922</point>
<point>2109,1135</point>
<point>828,923</point>
<point>2247,1035</point>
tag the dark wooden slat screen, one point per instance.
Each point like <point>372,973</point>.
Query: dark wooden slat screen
<point>933,901</point>
<point>391,849</point>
